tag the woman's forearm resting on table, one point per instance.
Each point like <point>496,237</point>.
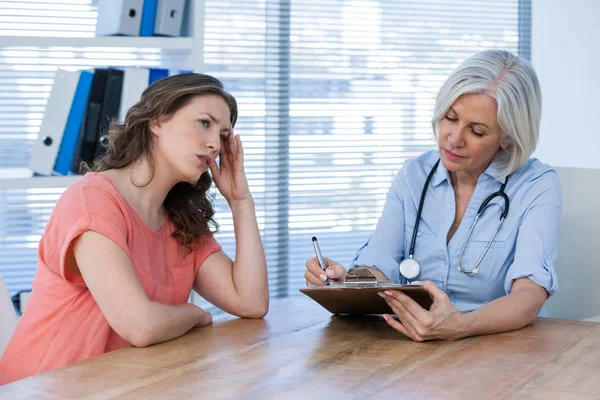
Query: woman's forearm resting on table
<point>162,322</point>
<point>444,322</point>
<point>238,287</point>
<point>250,265</point>
<point>514,311</point>
<point>111,278</point>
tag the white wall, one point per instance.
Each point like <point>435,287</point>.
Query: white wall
<point>577,264</point>
<point>565,52</point>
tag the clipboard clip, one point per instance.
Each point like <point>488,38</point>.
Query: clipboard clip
<point>359,276</point>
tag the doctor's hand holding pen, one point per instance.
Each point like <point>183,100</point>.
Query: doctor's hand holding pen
<point>317,276</point>
<point>320,270</point>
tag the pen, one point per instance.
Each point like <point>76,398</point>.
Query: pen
<point>320,257</point>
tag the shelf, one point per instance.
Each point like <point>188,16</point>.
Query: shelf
<point>21,179</point>
<point>164,43</point>
<point>38,182</point>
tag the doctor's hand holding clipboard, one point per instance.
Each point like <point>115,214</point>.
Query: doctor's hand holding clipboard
<point>418,322</point>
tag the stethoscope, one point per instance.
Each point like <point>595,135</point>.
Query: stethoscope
<point>410,268</point>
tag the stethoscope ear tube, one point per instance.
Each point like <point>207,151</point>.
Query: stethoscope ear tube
<point>492,196</point>
<point>411,252</point>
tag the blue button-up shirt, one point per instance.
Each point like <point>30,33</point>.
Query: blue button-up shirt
<point>525,246</point>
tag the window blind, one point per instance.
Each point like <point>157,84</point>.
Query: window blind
<point>334,97</point>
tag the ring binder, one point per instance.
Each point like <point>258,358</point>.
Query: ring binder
<point>119,17</point>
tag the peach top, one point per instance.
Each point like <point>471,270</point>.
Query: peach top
<point>63,323</point>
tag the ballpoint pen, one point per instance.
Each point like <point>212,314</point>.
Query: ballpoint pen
<point>320,258</point>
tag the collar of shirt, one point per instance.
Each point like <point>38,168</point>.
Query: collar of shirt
<point>493,172</point>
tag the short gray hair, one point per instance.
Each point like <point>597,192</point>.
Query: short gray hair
<point>513,83</point>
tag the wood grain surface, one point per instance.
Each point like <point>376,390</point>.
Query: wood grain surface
<point>301,351</point>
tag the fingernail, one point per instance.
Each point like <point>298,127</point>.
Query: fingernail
<point>323,277</point>
<point>388,292</point>
<point>416,282</point>
<point>385,316</point>
<point>330,273</point>
<point>381,294</point>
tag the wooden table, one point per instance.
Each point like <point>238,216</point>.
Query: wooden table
<point>300,351</point>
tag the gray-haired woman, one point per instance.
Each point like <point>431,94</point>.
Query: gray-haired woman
<point>488,268</point>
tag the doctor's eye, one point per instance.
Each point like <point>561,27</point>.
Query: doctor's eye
<point>476,133</point>
<point>204,123</point>
<point>450,118</point>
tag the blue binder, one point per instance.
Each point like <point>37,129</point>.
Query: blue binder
<point>148,17</point>
<point>74,121</point>
<point>156,74</point>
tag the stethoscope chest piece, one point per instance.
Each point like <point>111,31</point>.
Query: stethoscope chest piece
<point>410,268</point>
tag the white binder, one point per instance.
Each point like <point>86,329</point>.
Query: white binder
<point>119,17</point>
<point>169,17</point>
<point>135,81</point>
<point>45,150</point>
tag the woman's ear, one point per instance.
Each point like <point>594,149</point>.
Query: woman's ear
<point>155,127</point>
<point>505,142</point>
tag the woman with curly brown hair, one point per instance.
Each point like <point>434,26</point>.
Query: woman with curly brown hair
<point>128,241</point>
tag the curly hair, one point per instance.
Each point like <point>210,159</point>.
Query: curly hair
<point>187,204</point>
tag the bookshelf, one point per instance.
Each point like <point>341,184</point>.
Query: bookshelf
<point>189,44</point>
<point>185,52</point>
<point>25,200</point>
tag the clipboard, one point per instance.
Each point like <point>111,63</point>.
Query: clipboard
<point>358,294</point>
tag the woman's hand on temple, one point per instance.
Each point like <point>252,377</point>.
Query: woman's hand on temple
<point>230,176</point>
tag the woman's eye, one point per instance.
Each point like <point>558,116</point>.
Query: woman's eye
<point>449,118</point>
<point>479,134</point>
<point>204,123</point>
<point>223,138</point>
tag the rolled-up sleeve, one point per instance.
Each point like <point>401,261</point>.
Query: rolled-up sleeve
<point>385,247</point>
<point>537,239</point>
